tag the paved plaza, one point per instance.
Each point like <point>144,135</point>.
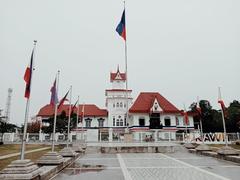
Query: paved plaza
<point>180,165</point>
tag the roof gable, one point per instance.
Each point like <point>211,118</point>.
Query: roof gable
<point>155,106</point>
<point>145,102</point>
<point>117,76</point>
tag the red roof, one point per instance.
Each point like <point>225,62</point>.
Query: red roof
<point>89,110</point>
<point>144,103</point>
<point>113,75</point>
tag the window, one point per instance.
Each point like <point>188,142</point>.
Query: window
<point>88,122</point>
<point>125,105</point>
<point>167,121</point>
<point>114,105</point>
<point>119,122</point>
<point>117,104</point>
<point>121,104</point>
<point>100,122</point>
<point>113,121</point>
<point>141,122</point>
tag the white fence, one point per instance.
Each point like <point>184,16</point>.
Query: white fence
<point>209,138</point>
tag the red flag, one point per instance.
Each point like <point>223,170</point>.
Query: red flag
<point>28,77</point>
<point>224,109</point>
<point>63,100</point>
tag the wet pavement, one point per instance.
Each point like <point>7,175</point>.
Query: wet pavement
<point>151,166</point>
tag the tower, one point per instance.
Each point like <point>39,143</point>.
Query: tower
<point>8,105</point>
<point>118,99</point>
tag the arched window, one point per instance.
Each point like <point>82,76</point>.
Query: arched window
<point>114,105</point>
<point>100,122</point>
<point>121,104</point>
<point>88,122</point>
<point>117,104</point>
<point>167,121</point>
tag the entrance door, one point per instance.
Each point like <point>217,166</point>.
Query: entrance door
<point>155,122</point>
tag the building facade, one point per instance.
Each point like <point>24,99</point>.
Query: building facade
<point>150,118</point>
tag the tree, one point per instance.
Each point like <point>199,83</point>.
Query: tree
<point>212,119</point>
<point>7,128</point>
<point>34,127</point>
<point>61,123</point>
<point>233,118</point>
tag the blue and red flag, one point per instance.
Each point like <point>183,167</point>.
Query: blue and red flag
<point>28,77</point>
<point>121,28</point>
<point>54,97</point>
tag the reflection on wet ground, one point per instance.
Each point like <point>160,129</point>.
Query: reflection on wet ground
<point>150,166</point>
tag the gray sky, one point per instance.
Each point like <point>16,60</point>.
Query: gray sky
<point>180,48</point>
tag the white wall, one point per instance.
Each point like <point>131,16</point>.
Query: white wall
<point>94,122</point>
<point>135,119</point>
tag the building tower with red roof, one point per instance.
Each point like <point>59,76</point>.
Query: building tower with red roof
<point>118,101</point>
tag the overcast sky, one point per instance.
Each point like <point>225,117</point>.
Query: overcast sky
<point>179,48</point>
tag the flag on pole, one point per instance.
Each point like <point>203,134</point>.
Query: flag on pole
<point>82,113</point>
<point>74,107</point>
<point>28,77</point>
<point>121,28</point>
<point>63,100</point>
<point>224,109</point>
<point>54,97</point>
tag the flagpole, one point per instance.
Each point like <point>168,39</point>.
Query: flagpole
<point>223,119</point>
<point>69,116</point>
<point>200,120</point>
<point>184,118</point>
<point>27,113</point>
<point>126,67</point>
<point>77,112</point>
<point>82,120</point>
<point>55,114</point>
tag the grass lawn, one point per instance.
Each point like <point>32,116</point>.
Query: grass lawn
<point>16,148</point>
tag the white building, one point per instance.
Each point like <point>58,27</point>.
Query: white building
<point>150,117</point>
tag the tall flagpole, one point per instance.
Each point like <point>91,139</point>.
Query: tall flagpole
<point>126,67</point>
<point>27,112</point>
<point>185,111</point>
<point>77,111</point>
<point>55,114</point>
<point>82,120</point>
<point>201,128</point>
<point>69,116</point>
<point>223,119</point>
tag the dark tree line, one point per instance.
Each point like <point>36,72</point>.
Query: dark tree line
<point>212,118</point>
<point>61,123</point>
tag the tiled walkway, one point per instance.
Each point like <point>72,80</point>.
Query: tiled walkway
<point>148,166</point>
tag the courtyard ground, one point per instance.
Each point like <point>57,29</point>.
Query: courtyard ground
<point>180,165</point>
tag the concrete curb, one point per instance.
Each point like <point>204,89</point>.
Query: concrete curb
<point>235,159</point>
